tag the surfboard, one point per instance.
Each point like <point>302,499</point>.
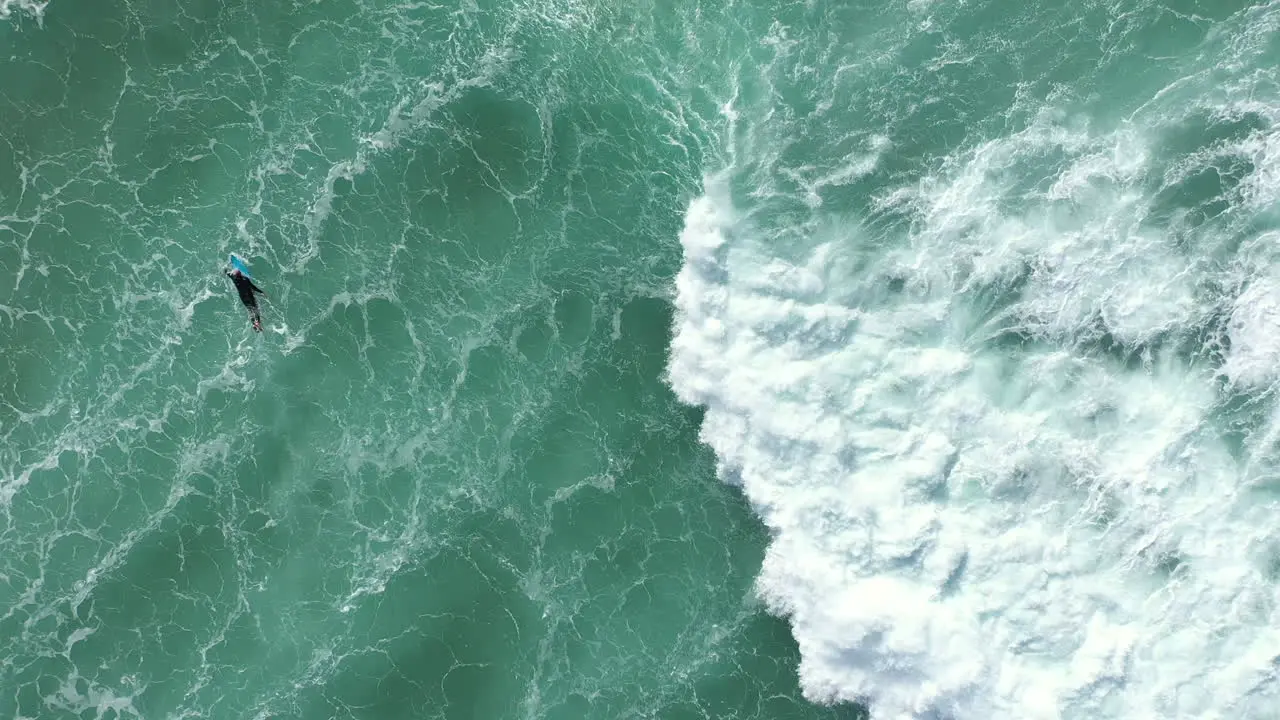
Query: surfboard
<point>238,264</point>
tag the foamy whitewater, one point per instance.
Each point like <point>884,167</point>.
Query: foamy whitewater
<point>1013,425</point>
<point>727,359</point>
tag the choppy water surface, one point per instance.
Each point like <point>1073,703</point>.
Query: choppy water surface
<point>677,360</point>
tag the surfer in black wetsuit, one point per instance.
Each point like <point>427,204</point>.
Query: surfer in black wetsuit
<point>246,288</point>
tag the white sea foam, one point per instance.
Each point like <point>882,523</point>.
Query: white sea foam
<point>78,695</point>
<point>34,8</point>
<point>1254,359</point>
<point>966,527</point>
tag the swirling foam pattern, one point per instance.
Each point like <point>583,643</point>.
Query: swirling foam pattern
<point>985,326</point>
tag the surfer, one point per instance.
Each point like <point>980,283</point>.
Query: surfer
<point>246,288</point>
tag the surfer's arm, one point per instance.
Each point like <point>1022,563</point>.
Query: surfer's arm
<point>256,288</point>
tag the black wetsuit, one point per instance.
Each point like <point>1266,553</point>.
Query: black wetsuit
<point>246,289</point>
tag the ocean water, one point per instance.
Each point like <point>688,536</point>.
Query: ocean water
<point>678,359</point>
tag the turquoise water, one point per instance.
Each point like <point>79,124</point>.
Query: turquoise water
<point>448,480</point>
<point>657,360</point>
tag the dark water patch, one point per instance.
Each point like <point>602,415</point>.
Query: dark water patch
<point>453,641</point>
<point>148,613</point>
<point>1205,130</point>
<point>765,651</point>
<point>1201,196</point>
<point>534,339</point>
<point>1238,415</point>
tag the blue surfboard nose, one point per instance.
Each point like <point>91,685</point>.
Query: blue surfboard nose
<point>238,264</point>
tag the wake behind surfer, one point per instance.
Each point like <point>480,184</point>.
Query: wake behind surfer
<point>246,289</point>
